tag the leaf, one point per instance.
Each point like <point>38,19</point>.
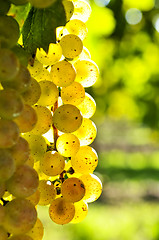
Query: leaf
<point>39,29</point>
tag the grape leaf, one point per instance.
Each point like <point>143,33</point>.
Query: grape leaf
<point>39,29</point>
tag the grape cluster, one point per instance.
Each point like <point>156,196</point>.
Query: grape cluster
<point>45,125</point>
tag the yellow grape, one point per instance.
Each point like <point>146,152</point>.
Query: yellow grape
<point>85,161</point>
<point>2,189</point>
<point>87,132</point>
<point>73,189</point>
<point>67,145</point>
<point>61,211</point>
<point>30,161</point>
<point>78,28</point>
<point>73,94</point>
<point>59,76</point>
<point>82,10</point>
<point>52,163</point>
<point>71,45</point>
<point>41,3</point>
<point>3,234</point>
<point>34,198</point>
<point>47,192</point>
<point>88,106</point>
<point>37,232</point>
<point>49,93</point>
<point>81,210</point>
<point>2,214</point>
<point>35,68</point>
<point>93,187</point>
<point>43,75</point>
<point>44,121</point>
<point>87,72</point>
<point>21,237</point>
<point>84,55</point>
<point>67,118</point>
<point>69,8</point>
<point>32,95</point>
<point>27,120</point>
<point>54,54</point>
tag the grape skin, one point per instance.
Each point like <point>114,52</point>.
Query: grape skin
<point>3,234</point>
<point>37,232</point>
<point>21,237</point>
<point>81,210</point>
<point>47,192</point>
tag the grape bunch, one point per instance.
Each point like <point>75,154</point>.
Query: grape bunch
<point>45,125</point>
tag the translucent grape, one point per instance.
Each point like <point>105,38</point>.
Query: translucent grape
<point>73,189</point>
<point>54,54</point>
<point>19,2</point>
<point>37,145</point>
<point>67,144</point>
<point>2,189</point>
<point>78,28</point>
<point>43,75</point>
<point>5,6</point>
<point>20,237</point>
<point>24,182</point>
<point>9,133</point>
<point>81,210</point>
<point>35,68</point>
<point>44,121</point>
<point>82,10</point>
<point>34,198</point>
<point>32,95</point>
<point>71,45</point>
<point>93,187</point>
<point>69,8</point>
<point>85,161</point>
<point>3,234</point>
<point>2,214</point>
<point>9,64</point>
<point>47,192</point>
<point>59,76</point>
<point>52,164</point>
<point>61,211</point>
<point>30,161</point>
<point>27,120</point>
<point>9,31</point>
<point>87,107</point>
<point>41,3</point>
<point>37,231</point>
<point>20,151</point>
<point>20,216</point>
<point>87,72</point>
<point>87,132</point>
<point>73,94</point>
<point>84,55</point>
<point>67,118</point>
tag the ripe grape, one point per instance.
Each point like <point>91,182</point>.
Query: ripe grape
<point>85,161</point>
<point>67,118</point>
<point>52,164</point>
<point>88,106</point>
<point>81,210</point>
<point>41,3</point>
<point>37,231</point>
<point>43,75</point>
<point>2,214</point>
<point>2,189</point>
<point>47,192</point>
<point>73,189</point>
<point>3,234</point>
<point>61,211</point>
<point>67,145</point>
<point>9,133</point>
<point>20,216</point>
<point>7,165</point>
<point>78,28</point>
<point>21,237</point>
<point>5,6</point>
<point>59,76</point>
<point>71,45</point>
<point>82,10</point>
<point>34,198</point>
<point>73,94</point>
<point>35,68</point>
<point>24,182</point>
<point>69,8</point>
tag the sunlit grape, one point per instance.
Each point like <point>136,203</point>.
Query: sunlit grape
<point>47,192</point>
<point>43,75</point>
<point>21,237</point>
<point>37,231</point>
<point>87,107</point>
<point>35,68</point>
<point>69,8</point>
<point>34,198</point>
<point>77,27</point>
<point>81,210</point>
<point>3,234</point>
<point>82,10</point>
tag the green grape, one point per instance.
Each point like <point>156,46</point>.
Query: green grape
<point>82,10</point>
<point>61,211</point>
<point>52,164</point>
<point>54,54</point>
<point>85,161</point>
<point>24,182</point>
<point>37,231</point>
<point>43,75</point>
<point>69,8</point>
<point>71,45</point>
<point>5,6</point>
<point>32,95</point>
<point>9,64</point>
<point>93,187</point>
<point>22,55</point>
<point>11,104</point>
<point>9,133</point>
<point>44,121</point>
<point>87,132</point>
<point>59,76</point>
<point>34,198</point>
<point>20,151</point>
<point>2,189</point>
<point>19,2</point>
<point>88,106</point>
<point>37,145</point>
<point>35,67</point>
<point>81,210</point>
<point>67,118</point>
<point>20,237</point>
<point>20,82</point>
<point>47,192</point>
<point>20,216</point>
<point>87,72</point>
<point>2,214</point>
<point>9,31</point>
<point>67,145</point>
<point>3,234</point>
<point>78,28</point>
<point>27,120</point>
<point>73,189</point>
<point>41,3</point>
<point>73,94</point>
<point>49,93</point>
